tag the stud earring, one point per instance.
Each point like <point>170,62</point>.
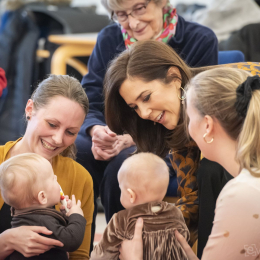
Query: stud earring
<point>208,142</point>
<point>28,118</point>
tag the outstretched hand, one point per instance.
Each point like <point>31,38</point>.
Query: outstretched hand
<point>133,249</point>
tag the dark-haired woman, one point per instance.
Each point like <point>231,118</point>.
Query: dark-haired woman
<point>100,150</point>
<point>145,85</point>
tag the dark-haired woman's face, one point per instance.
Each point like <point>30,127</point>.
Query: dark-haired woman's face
<point>153,100</point>
<point>53,128</point>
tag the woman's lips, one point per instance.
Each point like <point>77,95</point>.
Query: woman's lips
<point>140,31</point>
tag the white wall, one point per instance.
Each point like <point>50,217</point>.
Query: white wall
<point>101,9</point>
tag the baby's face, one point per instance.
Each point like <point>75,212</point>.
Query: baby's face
<point>52,188</point>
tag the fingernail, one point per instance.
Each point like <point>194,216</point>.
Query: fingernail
<point>139,220</point>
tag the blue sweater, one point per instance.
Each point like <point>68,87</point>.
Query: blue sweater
<point>195,44</point>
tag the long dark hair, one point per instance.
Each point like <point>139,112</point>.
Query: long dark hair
<point>147,60</point>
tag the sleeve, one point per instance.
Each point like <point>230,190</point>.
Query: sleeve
<point>236,226</point>
<point>186,168</point>
<point>108,247</point>
<point>72,235</point>
<point>93,85</point>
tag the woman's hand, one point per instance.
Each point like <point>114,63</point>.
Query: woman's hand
<point>27,241</point>
<point>106,144</point>
<point>188,250</point>
<point>102,138</point>
<point>133,249</point>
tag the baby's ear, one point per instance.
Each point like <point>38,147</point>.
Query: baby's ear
<point>132,195</point>
<point>42,198</point>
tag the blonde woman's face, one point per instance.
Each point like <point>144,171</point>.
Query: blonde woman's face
<point>53,128</point>
<point>146,26</point>
<point>153,100</point>
<point>197,126</point>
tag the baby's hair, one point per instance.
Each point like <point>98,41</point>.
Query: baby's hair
<point>18,179</point>
<point>154,165</point>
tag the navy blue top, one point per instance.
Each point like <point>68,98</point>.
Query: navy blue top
<point>195,44</point>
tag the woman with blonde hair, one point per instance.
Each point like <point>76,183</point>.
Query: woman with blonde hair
<point>54,115</point>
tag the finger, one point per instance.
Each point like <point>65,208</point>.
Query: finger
<point>42,230</point>
<point>109,132</point>
<point>104,139</point>
<point>67,197</point>
<point>188,250</point>
<point>138,229</point>
<point>47,241</point>
<point>79,203</point>
<point>73,200</point>
<point>103,154</point>
<point>96,154</point>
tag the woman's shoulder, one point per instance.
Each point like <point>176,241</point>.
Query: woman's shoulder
<point>110,34</point>
<point>243,188</point>
<point>4,149</point>
<point>194,29</point>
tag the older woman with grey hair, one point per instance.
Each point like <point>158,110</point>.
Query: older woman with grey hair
<point>102,151</point>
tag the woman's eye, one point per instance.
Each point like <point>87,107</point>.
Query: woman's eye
<point>52,125</point>
<point>147,98</point>
<point>70,133</point>
<point>134,108</point>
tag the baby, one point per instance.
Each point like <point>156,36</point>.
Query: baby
<point>29,186</point>
<point>143,179</point>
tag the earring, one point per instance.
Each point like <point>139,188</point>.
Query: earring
<point>28,118</point>
<point>183,97</point>
<point>204,137</point>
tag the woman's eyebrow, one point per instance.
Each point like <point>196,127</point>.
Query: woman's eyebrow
<point>140,95</point>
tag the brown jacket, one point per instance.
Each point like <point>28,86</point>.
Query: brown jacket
<point>158,232</point>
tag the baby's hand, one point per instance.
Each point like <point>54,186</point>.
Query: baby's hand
<point>75,207</point>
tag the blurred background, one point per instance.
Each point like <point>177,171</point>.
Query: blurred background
<point>57,36</point>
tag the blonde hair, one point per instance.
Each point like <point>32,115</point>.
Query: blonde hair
<point>154,166</point>
<point>215,95</point>
<point>14,191</point>
<point>65,86</point>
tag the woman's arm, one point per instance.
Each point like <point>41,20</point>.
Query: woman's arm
<point>26,240</point>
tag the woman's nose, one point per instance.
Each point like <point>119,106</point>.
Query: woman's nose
<point>133,22</point>
<point>145,113</point>
<point>58,137</point>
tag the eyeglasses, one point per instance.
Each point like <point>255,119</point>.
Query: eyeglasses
<point>122,16</point>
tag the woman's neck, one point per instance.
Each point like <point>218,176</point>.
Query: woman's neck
<point>227,157</point>
<point>19,148</point>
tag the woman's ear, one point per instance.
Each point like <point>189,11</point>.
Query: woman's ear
<point>209,126</point>
<point>42,198</point>
<point>29,108</point>
<point>132,195</point>
<point>174,71</point>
